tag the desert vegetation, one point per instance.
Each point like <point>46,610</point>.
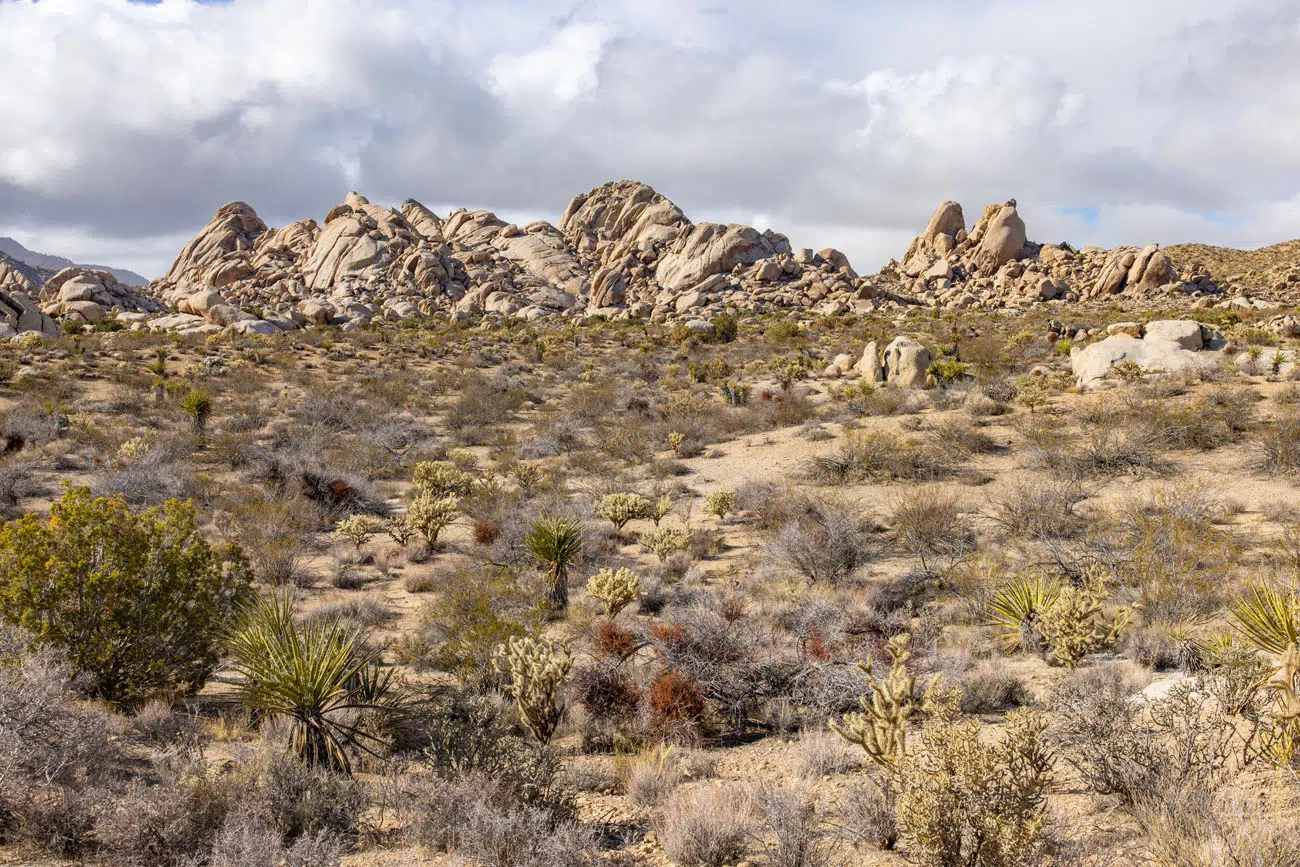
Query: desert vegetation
<point>619,592</point>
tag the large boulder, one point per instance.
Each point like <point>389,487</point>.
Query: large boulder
<point>708,249</point>
<point>869,365</point>
<point>906,363</point>
<point>1153,353</point>
<point>22,312</point>
<point>1184,332</point>
<point>1004,239</point>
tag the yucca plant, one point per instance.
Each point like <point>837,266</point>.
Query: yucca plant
<point>1269,621</point>
<point>1018,607</point>
<point>317,675</point>
<point>555,544</point>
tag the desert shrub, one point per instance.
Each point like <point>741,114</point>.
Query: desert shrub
<point>146,475</point>
<point>958,436</point>
<point>880,455</point>
<point>932,527</point>
<point>1033,510</point>
<point>606,693</point>
<point>1171,548</point>
<point>246,841</point>
<point>794,832</point>
<point>988,690</point>
<point>821,754</point>
<point>1277,451</point>
<point>469,617</point>
<point>1216,419</point>
<point>275,532</point>
<point>1109,453</point>
<point>824,540</point>
<point>867,818</point>
<point>676,704</point>
<point>17,482</point>
<point>52,746</point>
<point>297,800</point>
<point>137,600</point>
<point>964,801</point>
<point>706,827</point>
<point>1140,751</point>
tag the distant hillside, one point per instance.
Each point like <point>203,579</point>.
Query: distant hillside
<point>46,262</point>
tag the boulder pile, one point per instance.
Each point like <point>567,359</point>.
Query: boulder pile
<point>88,297</point>
<point>995,265</point>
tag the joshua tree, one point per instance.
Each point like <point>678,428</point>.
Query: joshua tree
<point>555,543</point>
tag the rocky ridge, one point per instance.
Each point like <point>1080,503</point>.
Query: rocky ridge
<point>620,250</point>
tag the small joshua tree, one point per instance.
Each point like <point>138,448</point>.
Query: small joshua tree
<point>357,529</point>
<point>619,509</point>
<point>537,670</point>
<point>555,544</point>
<point>720,503</point>
<point>615,589</point>
<point>198,406</point>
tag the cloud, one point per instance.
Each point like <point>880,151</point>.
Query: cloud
<point>125,125</point>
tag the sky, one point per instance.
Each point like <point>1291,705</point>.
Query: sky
<point>125,125</point>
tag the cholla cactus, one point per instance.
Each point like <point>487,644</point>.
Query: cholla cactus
<point>661,508</point>
<point>618,509</point>
<point>665,541</point>
<point>616,589</point>
<point>1075,625</point>
<point>527,477</point>
<point>441,479</point>
<point>134,448</point>
<point>357,529</point>
<point>675,440</point>
<point>537,670</point>
<point>428,515</point>
<point>720,502</point>
<point>881,728</point>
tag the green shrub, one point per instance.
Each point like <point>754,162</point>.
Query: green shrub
<point>137,600</point>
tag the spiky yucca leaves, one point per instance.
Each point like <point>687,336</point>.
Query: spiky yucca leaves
<point>537,670</point>
<point>1269,621</point>
<point>555,544</point>
<point>614,588</point>
<point>317,675</point>
<point>1017,609</point>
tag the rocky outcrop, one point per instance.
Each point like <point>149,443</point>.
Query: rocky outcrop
<point>906,363</point>
<point>88,297</point>
<point>20,313</point>
<point>1165,346</point>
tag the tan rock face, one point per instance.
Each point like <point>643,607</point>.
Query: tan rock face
<point>1003,240</point>
<point>708,249</point>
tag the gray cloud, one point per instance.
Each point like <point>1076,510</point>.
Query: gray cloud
<point>126,125</point>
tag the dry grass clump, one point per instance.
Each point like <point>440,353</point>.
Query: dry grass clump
<point>708,826</point>
<point>1277,450</point>
<point>881,455</point>
<point>1040,509</point>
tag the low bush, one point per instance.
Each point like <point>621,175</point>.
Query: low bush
<point>710,826</point>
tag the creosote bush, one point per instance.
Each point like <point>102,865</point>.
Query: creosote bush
<point>138,601</point>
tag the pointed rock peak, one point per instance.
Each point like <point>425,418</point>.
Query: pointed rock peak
<point>241,217</point>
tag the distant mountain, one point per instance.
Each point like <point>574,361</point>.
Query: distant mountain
<point>46,262</point>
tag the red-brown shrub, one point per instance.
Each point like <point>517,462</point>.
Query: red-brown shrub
<point>676,702</point>
<point>486,532</point>
<point>607,694</point>
<point>612,642</point>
